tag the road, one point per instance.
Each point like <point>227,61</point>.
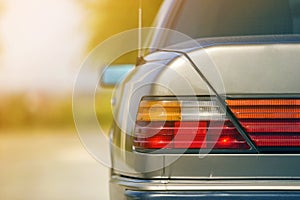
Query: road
<point>49,165</point>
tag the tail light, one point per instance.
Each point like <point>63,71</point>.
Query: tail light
<point>185,124</point>
<point>272,124</point>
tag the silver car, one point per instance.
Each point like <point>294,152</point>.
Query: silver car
<point>213,111</point>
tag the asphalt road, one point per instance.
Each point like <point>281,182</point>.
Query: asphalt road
<point>49,165</point>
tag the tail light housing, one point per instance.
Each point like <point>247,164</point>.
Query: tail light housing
<point>186,123</point>
<point>271,125</point>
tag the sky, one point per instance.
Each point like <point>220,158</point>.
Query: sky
<point>42,44</point>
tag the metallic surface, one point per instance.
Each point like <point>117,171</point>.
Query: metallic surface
<point>233,67</point>
<point>173,75</point>
<point>216,195</point>
<point>205,185</point>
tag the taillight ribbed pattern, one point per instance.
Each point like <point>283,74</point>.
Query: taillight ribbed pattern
<point>270,123</point>
<point>189,135</point>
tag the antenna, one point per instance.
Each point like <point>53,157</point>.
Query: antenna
<point>140,59</point>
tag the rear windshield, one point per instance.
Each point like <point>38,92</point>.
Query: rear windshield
<point>219,18</point>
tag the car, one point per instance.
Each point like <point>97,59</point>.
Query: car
<point>213,111</point>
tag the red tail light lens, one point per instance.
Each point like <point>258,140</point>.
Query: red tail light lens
<point>185,124</point>
<point>270,123</point>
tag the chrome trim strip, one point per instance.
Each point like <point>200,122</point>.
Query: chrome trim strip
<point>206,185</point>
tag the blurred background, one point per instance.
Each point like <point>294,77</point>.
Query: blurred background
<point>42,44</point>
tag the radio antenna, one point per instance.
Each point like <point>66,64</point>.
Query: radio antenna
<point>140,58</point>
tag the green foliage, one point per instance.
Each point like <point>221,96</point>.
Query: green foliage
<point>27,111</point>
<point>38,111</point>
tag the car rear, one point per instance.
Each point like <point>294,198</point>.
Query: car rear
<point>220,120</point>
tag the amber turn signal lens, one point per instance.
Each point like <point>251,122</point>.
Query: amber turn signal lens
<point>159,111</point>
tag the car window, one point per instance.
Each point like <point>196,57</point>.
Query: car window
<point>219,18</point>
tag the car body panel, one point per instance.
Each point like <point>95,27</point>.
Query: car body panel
<point>233,67</point>
<point>176,77</point>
